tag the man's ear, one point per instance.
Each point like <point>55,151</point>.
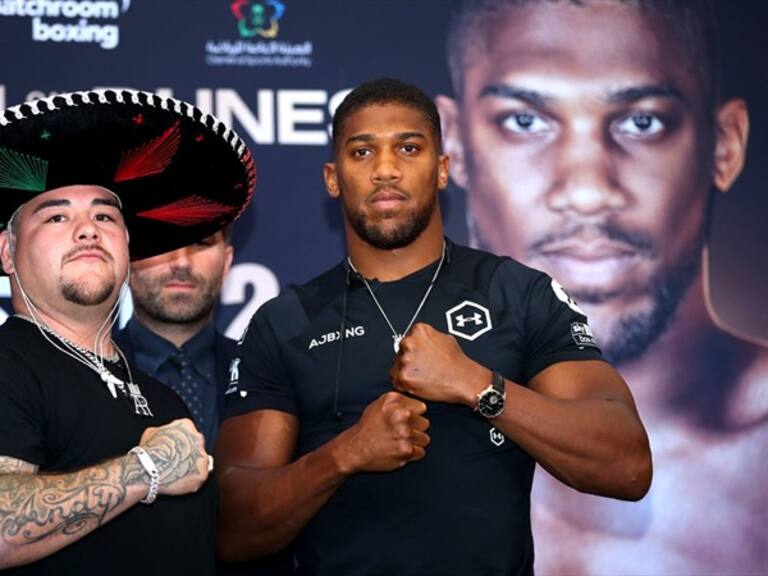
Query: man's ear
<point>331,180</point>
<point>452,142</point>
<point>730,142</point>
<point>443,169</point>
<point>5,253</point>
<point>229,254</point>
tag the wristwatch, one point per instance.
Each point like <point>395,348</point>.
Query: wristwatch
<point>490,402</point>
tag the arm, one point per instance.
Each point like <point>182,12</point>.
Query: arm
<point>42,513</point>
<point>577,419</point>
<point>265,499</point>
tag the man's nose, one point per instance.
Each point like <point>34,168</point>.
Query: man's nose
<point>386,168</point>
<point>181,258</point>
<point>586,179</point>
<point>86,230</point>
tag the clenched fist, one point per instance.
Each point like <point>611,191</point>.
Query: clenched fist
<point>432,366</point>
<point>390,433</point>
<point>178,451</point>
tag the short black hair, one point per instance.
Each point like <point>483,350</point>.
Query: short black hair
<point>387,91</point>
<point>693,22</point>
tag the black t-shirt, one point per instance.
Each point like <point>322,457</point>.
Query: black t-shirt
<point>58,414</point>
<point>464,508</point>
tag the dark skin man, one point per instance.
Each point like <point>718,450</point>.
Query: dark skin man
<point>576,418</point>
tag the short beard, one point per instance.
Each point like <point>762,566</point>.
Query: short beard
<point>402,235</point>
<point>178,309</point>
<point>635,333</point>
<point>76,294</point>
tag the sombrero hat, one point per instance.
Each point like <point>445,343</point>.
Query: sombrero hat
<point>180,173</point>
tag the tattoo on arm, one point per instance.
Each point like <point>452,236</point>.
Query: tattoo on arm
<point>14,465</point>
<point>34,507</point>
<point>175,451</point>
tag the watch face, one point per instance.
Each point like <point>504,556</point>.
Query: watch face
<point>490,403</point>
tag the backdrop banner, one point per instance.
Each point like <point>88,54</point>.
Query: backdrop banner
<point>530,107</point>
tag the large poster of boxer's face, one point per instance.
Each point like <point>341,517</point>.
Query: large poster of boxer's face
<point>592,140</point>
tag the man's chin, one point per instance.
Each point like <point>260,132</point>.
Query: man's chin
<point>625,330</point>
<point>87,295</point>
<point>189,313</point>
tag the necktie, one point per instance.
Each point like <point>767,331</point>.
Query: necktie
<point>187,385</point>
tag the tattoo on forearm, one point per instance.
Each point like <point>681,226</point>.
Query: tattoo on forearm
<point>35,507</point>
<point>10,465</point>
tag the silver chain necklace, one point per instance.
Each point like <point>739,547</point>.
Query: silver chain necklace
<point>96,363</point>
<point>397,337</point>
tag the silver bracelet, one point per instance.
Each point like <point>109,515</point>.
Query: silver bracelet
<point>149,466</point>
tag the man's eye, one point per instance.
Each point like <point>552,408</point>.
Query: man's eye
<point>640,125</point>
<point>361,152</point>
<point>104,218</point>
<point>56,218</point>
<point>525,123</point>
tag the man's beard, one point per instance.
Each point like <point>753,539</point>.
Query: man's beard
<point>78,294</point>
<point>633,333</point>
<point>178,308</point>
<point>398,237</point>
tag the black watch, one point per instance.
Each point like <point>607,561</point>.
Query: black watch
<point>490,402</point>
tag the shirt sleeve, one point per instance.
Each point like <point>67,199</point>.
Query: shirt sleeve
<point>557,328</point>
<point>259,379</point>
<point>22,433</point>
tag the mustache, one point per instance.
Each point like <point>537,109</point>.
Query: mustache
<point>388,188</point>
<point>641,243</point>
<point>179,275</point>
<point>86,248</point>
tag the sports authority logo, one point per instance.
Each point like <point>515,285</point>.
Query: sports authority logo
<point>258,25</point>
<point>563,296</point>
<point>81,21</point>
<point>497,438</point>
<point>468,320</point>
<point>257,18</point>
<point>582,334</point>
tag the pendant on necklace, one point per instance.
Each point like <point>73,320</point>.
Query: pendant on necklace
<point>140,403</point>
<point>110,380</point>
<point>397,338</point>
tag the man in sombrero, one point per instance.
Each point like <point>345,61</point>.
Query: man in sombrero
<point>101,469</point>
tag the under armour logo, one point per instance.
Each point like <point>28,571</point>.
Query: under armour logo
<point>497,438</point>
<point>468,320</point>
<point>476,318</point>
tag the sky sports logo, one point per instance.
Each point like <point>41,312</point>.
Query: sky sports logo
<point>64,21</point>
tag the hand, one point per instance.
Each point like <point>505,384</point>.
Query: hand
<point>390,433</point>
<point>178,451</point>
<point>432,366</point>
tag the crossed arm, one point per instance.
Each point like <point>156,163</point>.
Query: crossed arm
<point>577,419</point>
<point>42,513</point>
